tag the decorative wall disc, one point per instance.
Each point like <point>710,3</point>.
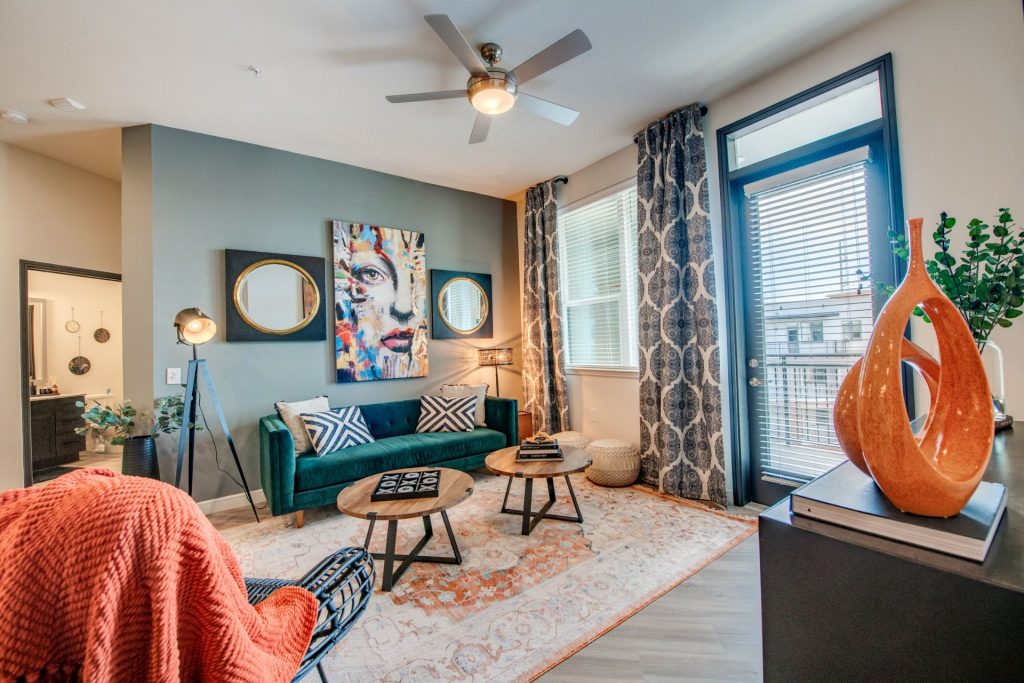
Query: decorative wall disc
<point>72,325</point>
<point>102,334</point>
<point>79,365</point>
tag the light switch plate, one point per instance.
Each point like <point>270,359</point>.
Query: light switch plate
<point>174,375</point>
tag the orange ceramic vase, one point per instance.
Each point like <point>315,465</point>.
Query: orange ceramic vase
<point>936,472</point>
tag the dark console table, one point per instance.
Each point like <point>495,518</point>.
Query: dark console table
<point>837,604</point>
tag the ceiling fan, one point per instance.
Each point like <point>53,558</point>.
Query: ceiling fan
<point>493,90</point>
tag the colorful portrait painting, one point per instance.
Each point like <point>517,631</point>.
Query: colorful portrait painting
<point>380,287</point>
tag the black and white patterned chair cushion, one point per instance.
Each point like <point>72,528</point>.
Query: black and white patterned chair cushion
<point>336,429</point>
<point>446,414</point>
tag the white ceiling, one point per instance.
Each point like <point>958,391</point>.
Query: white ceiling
<point>327,65</point>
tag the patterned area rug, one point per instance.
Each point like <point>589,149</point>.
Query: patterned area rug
<point>517,605</point>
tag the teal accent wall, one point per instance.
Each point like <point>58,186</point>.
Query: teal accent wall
<point>187,197</point>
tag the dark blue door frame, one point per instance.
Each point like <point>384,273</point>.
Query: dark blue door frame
<point>882,136</point>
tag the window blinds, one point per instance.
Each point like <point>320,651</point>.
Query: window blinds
<point>598,255</point>
<point>809,238</point>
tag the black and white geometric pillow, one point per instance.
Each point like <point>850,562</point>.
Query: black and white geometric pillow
<point>336,429</point>
<point>444,414</point>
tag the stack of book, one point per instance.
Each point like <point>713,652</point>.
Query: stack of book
<point>531,450</point>
<point>847,497</point>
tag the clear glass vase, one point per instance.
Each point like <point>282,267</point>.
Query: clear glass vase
<point>992,357</point>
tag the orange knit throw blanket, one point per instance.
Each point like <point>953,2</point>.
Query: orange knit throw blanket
<point>111,578</point>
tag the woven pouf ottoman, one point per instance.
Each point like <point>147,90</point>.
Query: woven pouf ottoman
<point>574,439</point>
<point>616,462</point>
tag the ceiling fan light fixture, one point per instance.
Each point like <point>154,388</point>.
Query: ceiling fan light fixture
<point>492,96</point>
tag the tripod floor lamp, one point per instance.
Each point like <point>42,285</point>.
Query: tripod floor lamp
<point>195,328</point>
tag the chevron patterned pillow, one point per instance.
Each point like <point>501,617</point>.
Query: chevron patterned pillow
<point>336,429</point>
<point>444,414</point>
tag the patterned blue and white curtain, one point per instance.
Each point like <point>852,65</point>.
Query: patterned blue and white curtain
<point>680,391</point>
<point>544,385</point>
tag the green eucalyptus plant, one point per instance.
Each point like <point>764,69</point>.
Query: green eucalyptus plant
<point>170,414</point>
<point>985,282</point>
<point>102,419</point>
<point>125,421</point>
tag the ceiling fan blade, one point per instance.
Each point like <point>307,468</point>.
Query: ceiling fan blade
<point>426,96</point>
<point>480,128</point>
<point>549,110</point>
<point>558,52</point>
<point>457,43</point>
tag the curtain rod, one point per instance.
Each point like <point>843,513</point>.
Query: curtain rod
<point>703,112</point>
<point>561,179</point>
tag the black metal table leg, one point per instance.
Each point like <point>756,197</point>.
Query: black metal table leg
<point>390,574</point>
<point>531,518</point>
<point>389,555</point>
<point>451,537</point>
<point>572,494</point>
<point>527,502</point>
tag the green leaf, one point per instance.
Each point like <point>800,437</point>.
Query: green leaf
<point>1013,313</point>
<point>1004,323</point>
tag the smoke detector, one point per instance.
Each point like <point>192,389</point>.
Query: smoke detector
<point>13,116</point>
<point>66,104</point>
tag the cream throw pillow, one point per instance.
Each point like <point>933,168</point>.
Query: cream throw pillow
<point>461,390</point>
<point>291,415</point>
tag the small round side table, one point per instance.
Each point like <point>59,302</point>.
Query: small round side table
<point>504,462</point>
<point>355,501</point>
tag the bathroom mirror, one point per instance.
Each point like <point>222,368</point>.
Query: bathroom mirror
<point>462,304</point>
<point>274,297</point>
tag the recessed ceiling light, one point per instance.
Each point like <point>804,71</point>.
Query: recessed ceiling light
<point>67,104</point>
<point>13,116</point>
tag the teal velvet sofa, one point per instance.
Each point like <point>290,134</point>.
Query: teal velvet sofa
<point>293,484</point>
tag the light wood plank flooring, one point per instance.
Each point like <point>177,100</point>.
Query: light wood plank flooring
<point>706,629</point>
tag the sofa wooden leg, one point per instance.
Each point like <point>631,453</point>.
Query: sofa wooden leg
<point>299,519</point>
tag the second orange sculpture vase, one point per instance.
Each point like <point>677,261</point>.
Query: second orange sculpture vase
<point>935,472</point>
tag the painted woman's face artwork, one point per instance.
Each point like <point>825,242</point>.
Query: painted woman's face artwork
<point>380,290</point>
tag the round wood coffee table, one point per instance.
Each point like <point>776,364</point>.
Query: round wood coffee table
<point>503,462</point>
<point>454,488</point>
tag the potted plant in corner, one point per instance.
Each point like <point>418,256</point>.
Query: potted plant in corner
<point>986,282</point>
<point>138,457</point>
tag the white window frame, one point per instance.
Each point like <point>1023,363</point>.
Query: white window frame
<point>629,333</point>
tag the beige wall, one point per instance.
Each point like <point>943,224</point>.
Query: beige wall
<point>959,75</point>
<point>49,212</point>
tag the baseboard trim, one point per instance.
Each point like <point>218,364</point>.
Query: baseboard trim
<point>237,500</point>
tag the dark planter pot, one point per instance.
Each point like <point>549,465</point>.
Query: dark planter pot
<point>139,457</point>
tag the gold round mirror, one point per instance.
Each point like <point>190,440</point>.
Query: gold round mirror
<point>276,296</point>
<point>463,305</point>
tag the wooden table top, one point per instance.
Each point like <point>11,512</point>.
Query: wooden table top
<point>355,500</point>
<point>504,462</point>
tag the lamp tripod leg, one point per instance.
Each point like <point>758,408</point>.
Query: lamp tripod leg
<point>227,435</point>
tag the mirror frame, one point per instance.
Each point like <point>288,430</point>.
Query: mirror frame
<point>241,327</point>
<point>439,328</point>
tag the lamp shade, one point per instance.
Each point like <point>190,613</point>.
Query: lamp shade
<point>489,357</point>
<point>194,327</point>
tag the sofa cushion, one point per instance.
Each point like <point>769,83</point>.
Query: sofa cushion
<point>291,415</point>
<point>441,414</point>
<point>478,390</point>
<point>336,429</point>
<point>410,450</point>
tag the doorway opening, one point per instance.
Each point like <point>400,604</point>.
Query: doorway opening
<point>72,360</point>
